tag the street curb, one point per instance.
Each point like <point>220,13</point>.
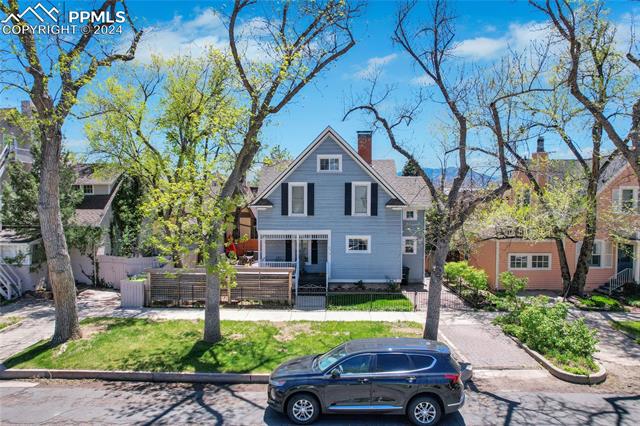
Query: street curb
<point>580,379</point>
<point>135,376</point>
<point>11,327</point>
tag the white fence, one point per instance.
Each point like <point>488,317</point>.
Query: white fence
<point>112,269</point>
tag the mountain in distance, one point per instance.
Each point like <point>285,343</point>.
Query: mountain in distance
<point>475,178</point>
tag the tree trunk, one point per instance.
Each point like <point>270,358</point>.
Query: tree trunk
<point>565,272</point>
<point>55,244</point>
<point>435,288</point>
<point>212,333</point>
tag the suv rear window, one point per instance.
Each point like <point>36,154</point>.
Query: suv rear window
<point>392,362</point>
<point>422,361</point>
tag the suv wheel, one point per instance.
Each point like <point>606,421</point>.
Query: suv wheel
<point>424,411</point>
<point>303,409</point>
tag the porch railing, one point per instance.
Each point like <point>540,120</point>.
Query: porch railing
<point>10,282</point>
<point>276,264</point>
<point>620,279</point>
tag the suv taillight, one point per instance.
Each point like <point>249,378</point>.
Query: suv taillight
<point>453,378</point>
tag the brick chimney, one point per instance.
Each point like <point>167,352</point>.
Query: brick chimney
<point>540,152</point>
<point>364,145</point>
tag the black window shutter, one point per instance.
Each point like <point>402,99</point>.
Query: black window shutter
<point>374,199</point>
<point>347,198</point>
<point>314,252</point>
<point>287,250</point>
<point>284,195</point>
<point>310,199</point>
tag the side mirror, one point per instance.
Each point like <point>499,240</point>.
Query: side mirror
<point>335,373</point>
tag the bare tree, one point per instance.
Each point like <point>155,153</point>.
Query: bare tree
<point>587,33</point>
<point>297,41</point>
<point>429,42</point>
<point>52,70</point>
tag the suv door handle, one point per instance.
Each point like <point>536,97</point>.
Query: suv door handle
<point>363,380</point>
<point>411,379</point>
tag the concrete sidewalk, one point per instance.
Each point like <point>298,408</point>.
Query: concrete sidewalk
<point>471,334</point>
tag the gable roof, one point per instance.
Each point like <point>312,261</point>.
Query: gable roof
<point>412,188</point>
<point>264,192</point>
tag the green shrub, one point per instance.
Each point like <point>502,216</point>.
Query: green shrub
<point>475,278</point>
<point>512,284</point>
<point>544,328</point>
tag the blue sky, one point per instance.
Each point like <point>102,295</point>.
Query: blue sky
<point>485,30</point>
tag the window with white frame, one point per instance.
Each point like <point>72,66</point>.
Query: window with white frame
<point>330,163</point>
<point>626,199</point>
<point>595,260</point>
<point>298,199</point>
<point>358,244</point>
<point>410,215</point>
<point>530,261</point>
<point>409,245</point>
<point>540,261</point>
<point>361,199</point>
<point>87,189</point>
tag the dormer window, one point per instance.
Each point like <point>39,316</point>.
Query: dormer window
<point>330,163</point>
<point>410,215</point>
<point>87,189</point>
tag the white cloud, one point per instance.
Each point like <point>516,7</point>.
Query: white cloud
<point>423,81</point>
<point>375,64</point>
<point>518,37</point>
<point>181,36</point>
<point>480,47</point>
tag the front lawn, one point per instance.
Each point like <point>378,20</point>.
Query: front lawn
<point>629,327</point>
<point>148,345</point>
<point>7,321</point>
<point>369,302</point>
<point>600,302</point>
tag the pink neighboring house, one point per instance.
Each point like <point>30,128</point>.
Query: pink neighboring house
<point>610,262</point>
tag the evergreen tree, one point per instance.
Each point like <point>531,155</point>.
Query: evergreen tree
<point>410,168</point>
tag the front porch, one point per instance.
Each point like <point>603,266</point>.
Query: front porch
<point>308,252</point>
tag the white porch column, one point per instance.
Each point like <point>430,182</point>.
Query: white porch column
<point>636,262</point>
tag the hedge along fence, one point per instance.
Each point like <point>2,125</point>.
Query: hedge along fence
<point>470,283</point>
<point>187,287</point>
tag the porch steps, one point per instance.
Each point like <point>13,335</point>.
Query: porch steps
<point>10,282</point>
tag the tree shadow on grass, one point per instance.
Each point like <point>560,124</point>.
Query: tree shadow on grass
<point>28,354</point>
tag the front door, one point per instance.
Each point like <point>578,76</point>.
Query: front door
<point>625,257</point>
<point>351,390</point>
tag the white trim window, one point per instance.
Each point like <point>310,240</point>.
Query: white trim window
<point>361,199</point>
<point>87,189</point>
<point>595,260</point>
<point>329,163</point>
<point>530,261</point>
<point>297,199</point>
<point>409,245</point>
<point>626,199</point>
<point>358,243</point>
<point>410,215</point>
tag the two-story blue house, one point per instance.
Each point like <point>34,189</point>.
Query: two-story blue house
<point>339,217</point>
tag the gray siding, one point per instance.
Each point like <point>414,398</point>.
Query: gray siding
<point>385,260</point>
<point>415,262</point>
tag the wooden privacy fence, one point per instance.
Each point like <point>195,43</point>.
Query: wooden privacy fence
<point>113,269</point>
<point>186,287</point>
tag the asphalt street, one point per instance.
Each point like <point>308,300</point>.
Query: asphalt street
<point>75,402</point>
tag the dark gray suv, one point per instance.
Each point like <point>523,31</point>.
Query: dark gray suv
<point>390,375</point>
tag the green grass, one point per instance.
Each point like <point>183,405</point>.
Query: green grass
<point>7,321</point>
<point>369,302</point>
<point>598,301</point>
<point>629,327</point>
<point>633,301</point>
<point>147,345</point>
